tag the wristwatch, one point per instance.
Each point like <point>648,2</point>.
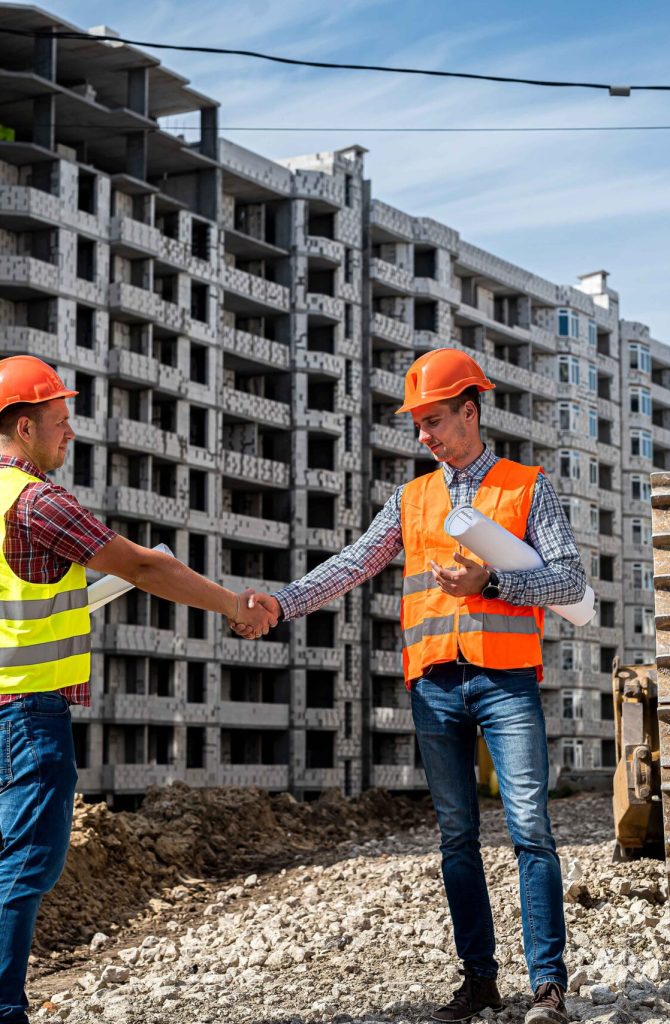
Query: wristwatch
<point>492,587</point>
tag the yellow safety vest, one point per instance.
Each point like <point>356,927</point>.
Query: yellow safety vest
<point>45,628</point>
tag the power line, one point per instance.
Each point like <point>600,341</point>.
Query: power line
<point>614,90</point>
<point>351,130</point>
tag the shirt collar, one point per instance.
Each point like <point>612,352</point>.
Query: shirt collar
<point>476,471</point>
<point>23,464</point>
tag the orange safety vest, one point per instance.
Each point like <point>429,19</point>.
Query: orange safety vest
<point>435,625</point>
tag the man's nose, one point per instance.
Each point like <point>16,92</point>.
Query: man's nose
<point>424,436</point>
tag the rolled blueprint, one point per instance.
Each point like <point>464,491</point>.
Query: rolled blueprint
<point>502,550</point>
<point>110,587</point>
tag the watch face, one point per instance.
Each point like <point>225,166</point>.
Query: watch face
<point>491,590</point>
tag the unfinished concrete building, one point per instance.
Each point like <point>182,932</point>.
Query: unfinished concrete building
<point>238,330</point>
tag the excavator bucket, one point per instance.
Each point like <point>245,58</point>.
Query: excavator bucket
<point>638,820</point>
<point>660,528</point>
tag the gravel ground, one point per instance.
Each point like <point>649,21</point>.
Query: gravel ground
<point>363,934</point>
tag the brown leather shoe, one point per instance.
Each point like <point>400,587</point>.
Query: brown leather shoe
<point>474,995</point>
<point>548,1005</point>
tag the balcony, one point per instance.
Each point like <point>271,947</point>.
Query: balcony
<point>268,472</point>
<point>317,185</point>
<point>326,481</point>
<point>396,442</point>
<point>146,505</point>
<point>426,341</point>
<point>256,289</point>
<point>136,778</point>
<point>323,363</point>
<point>522,378</point>
<point>255,349</point>
<point>141,708</point>
<point>660,396</point>
<point>23,274</point>
<point>129,237</point>
<point>254,530</point>
<point>440,291</point>
<point>255,408</point>
<point>393,225</point>
<point>128,302</point>
<point>124,638</point>
<point>391,279</point>
<point>319,539</point>
<point>28,339</point>
<point>518,427</point>
<point>386,663</point>
<point>132,367</point>
<point>391,720</point>
<point>397,776</point>
<point>381,491</point>
<point>256,654</point>
<point>396,332</point>
<point>494,328</point>
<point>319,778</point>
<point>265,776</point>
<point>170,315</point>
<point>253,715</point>
<point>561,727</point>
<point>385,606</point>
<point>143,437</point>
<point>89,780</point>
<point>325,250</point>
<point>324,308</point>
<point>322,718</point>
<point>384,382</point>
<point>22,208</point>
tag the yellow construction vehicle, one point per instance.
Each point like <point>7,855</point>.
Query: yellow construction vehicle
<point>642,716</point>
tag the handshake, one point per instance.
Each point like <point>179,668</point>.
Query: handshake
<point>256,614</point>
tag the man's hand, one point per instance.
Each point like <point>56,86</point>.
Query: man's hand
<point>471,578</point>
<point>257,613</point>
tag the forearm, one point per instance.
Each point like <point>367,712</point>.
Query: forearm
<point>558,583</point>
<point>164,576</point>
<point>328,581</point>
<point>354,565</point>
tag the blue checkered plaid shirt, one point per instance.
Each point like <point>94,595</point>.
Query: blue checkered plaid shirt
<point>561,581</point>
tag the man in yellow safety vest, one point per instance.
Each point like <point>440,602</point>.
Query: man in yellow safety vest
<point>47,538</point>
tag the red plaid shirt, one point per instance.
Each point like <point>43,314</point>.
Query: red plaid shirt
<point>46,530</point>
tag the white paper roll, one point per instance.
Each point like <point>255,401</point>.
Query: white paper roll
<point>503,551</point>
<point>110,587</point>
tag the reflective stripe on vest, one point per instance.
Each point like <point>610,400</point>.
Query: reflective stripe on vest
<point>437,626</point>
<point>45,628</point>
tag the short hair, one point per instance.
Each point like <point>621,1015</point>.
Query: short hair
<point>10,416</point>
<point>470,394</point>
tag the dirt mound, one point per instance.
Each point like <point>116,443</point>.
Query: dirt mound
<point>118,862</point>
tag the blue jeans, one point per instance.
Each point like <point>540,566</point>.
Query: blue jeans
<point>447,705</point>
<point>37,783</point>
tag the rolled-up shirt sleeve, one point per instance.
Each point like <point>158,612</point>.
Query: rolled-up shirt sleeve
<point>562,580</point>
<point>354,565</point>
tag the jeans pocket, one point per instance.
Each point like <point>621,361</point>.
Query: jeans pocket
<point>50,704</point>
<point>6,776</point>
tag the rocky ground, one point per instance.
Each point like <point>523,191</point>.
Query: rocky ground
<point>358,930</point>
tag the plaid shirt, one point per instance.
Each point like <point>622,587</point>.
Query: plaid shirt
<point>46,531</point>
<point>561,581</point>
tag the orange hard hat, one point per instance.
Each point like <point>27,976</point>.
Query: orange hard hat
<point>29,379</point>
<point>439,374</point>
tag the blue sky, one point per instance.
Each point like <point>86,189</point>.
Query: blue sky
<point>558,204</point>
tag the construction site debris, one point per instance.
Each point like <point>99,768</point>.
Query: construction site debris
<point>363,934</point>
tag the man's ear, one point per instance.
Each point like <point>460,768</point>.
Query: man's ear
<point>24,428</point>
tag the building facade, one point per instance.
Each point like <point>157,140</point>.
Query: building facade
<point>238,330</point>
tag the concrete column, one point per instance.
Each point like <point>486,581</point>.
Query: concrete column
<point>138,91</point>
